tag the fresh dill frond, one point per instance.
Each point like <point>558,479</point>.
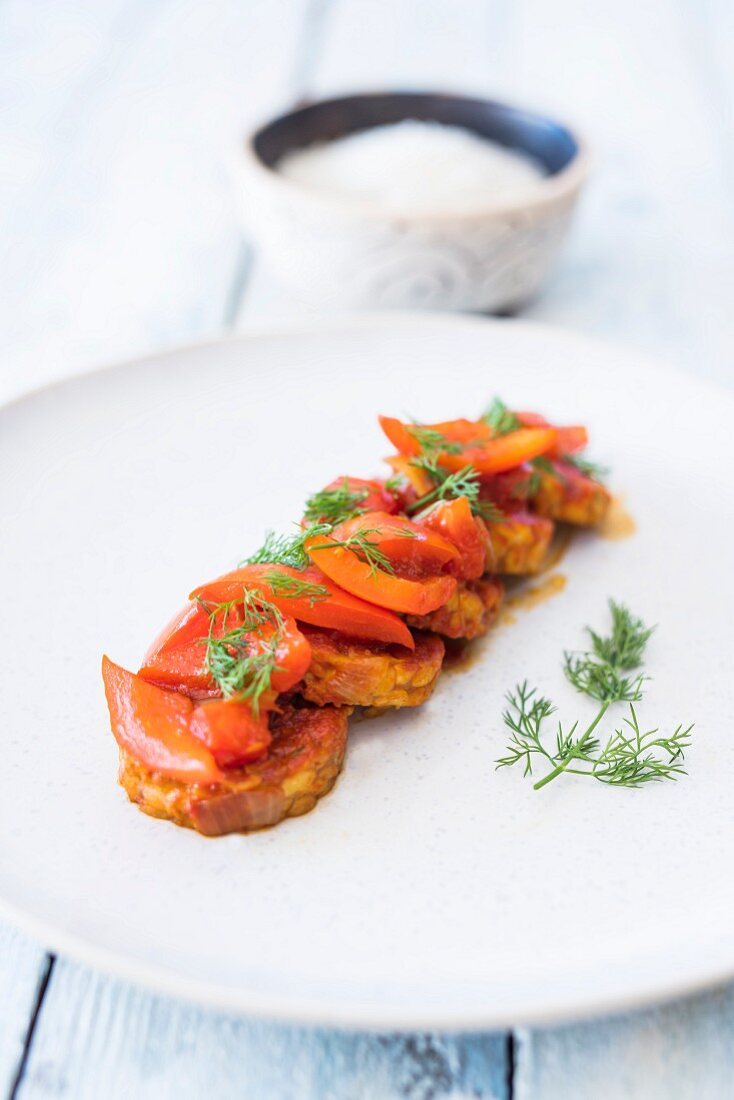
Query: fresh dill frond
<point>239,670</point>
<point>334,505</point>
<point>392,484</point>
<point>431,441</point>
<point>599,672</point>
<point>451,486</point>
<point>539,465</point>
<point>488,511</point>
<point>628,759</point>
<point>586,467</point>
<point>501,420</point>
<point>631,756</point>
<point>294,588</point>
<point>526,711</point>
<point>239,673</point>
<point>366,549</point>
<point>286,549</point>
<point>544,466</point>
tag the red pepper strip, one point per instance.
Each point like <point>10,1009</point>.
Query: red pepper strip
<point>406,437</point>
<point>418,480</point>
<point>400,540</point>
<point>570,439</point>
<point>339,610</point>
<point>231,732</point>
<point>153,726</point>
<point>413,597</point>
<point>454,520</point>
<point>503,453</point>
<point>177,658</point>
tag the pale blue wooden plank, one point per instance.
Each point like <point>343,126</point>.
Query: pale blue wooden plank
<point>682,1051</point>
<point>22,967</point>
<point>98,1037</point>
<point>120,122</point>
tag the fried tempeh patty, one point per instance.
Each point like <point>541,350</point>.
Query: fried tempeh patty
<point>302,764</point>
<point>469,613</point>
<point>351,672</point>
<point>571,497</point>
<point>520,542</point>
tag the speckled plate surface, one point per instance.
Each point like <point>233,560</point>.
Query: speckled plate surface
<point>428,889</point>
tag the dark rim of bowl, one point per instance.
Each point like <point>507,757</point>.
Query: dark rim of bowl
<point>550,143</point>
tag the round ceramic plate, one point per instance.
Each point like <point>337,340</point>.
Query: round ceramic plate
<point>428,889</point>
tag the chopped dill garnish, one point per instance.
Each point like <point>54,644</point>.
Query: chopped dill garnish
<point>462,483</point>
<point>392,484</point>
<point>631,756</point>
<point>366,549</point>
<point>430,440</point>
<point>286,549</point>
<point>237,670</point>
<point>540,465</point>
<point>587,467</point>
<point>500,419</point>
<point>334,505</point>
<point>294,588</point>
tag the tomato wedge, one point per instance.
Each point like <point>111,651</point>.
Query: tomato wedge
<point>336,610</point>
<point>455,521</point>
<point>406,437</point>
<point>405,545</point>
<point>486,454</point>
<point>503,453</point>
<point>412,597</point>
<point>231,732</point>
<point>153,725</point>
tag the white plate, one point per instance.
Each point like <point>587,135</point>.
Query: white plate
<point>428,889</point>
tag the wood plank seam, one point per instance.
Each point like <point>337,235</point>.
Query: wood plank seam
<point>45,978</point>
<point>510,1065</point>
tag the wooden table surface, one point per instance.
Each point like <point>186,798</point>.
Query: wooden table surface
<point>119,124</point>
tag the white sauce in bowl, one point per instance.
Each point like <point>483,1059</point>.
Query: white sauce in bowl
<point>415,167</point>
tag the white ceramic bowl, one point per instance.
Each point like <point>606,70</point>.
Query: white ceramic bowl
<point>338,253</point>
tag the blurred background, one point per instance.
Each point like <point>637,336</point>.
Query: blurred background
<point>121,123</point>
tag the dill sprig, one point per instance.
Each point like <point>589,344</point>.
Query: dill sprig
<point>599,672</point>
<point>334,505</point>
<point>237,670</point>
<point>462,483</point>
<point>366,549</point>
<point>586,467</point>
<point>430,440</point>
<point>539,465</point>
<point>631,756</point>
<point>294,588</point>
<point>286,549</point>
<point>501,420</point>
